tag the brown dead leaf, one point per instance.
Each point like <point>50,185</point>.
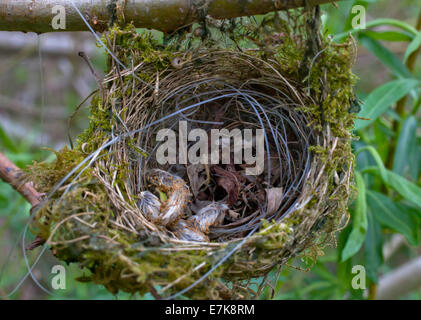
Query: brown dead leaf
<point>197,177</point>
<point>274,199</point>
<point>229,182</point>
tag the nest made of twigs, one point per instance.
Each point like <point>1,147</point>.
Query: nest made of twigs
<point>141,226</point>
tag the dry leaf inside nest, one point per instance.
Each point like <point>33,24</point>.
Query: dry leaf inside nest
<point>274,200</point>
<point>197,177</point>
<point>229,182</point>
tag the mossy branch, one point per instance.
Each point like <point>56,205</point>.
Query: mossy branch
<point>11,174</point>
<point>166,16</point>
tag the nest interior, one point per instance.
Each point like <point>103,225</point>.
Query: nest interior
<point>140,225</point>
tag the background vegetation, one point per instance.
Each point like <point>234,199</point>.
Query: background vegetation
<point>40,85</point>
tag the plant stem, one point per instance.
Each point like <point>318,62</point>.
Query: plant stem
<point>416,107</point>
<point>372,290</point>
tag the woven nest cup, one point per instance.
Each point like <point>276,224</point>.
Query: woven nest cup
<point>202,168</point>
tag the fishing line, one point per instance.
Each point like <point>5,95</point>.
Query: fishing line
<point>102,43</point>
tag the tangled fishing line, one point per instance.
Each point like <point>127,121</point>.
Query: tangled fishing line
<point>197,228</point>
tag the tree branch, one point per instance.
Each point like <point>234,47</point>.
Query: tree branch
<point>401,281</point>
<point>163,15</point>
<point>11,174</point>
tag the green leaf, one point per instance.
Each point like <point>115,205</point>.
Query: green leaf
<point>381,137</point>
<point>162,196</point>
<point>394,216</point>
<point>4,201</point>
<point>343,269</point>
<point>380,165</point>
<point>404,187</point>
<point>410,208</point>
<point>413,46</point>
<point>387,57</point>
<point>317,285</point>
<point>7,142</point>
<point>359,221</point>
<point>393,23</point>
<point>382,98</point>
<point>388,35</point>
<point>373,247</point>
<point>323,272</point>
<point>346,8</point>
<point>408,190</point>
<point>406,157</point>
<point>380,22</point>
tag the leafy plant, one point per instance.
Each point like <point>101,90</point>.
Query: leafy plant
<point>388,153</point>
<point>388,159</point>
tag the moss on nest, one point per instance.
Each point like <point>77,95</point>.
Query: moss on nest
<point>92,217</point>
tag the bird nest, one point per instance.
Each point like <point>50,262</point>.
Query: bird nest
<point>191,225</point>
